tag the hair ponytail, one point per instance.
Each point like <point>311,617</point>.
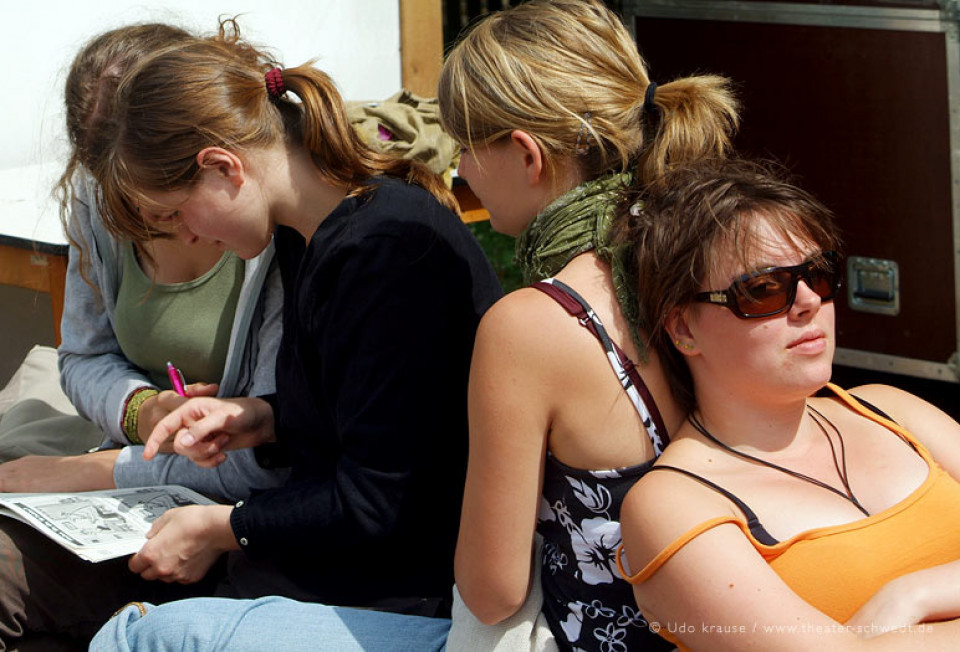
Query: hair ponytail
<point>337,149</point>
<point>696,119</point>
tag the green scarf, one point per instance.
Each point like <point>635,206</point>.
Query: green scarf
<point>576,222</point>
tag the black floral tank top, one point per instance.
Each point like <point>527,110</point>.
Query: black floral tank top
<point>586,602</point>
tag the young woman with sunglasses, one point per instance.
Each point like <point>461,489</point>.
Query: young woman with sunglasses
<point>796,517</point>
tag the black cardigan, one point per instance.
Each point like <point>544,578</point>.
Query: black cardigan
<point>371,406</point>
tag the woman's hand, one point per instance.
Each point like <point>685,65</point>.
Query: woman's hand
<point>184,543</point>
<point>157,407</point>
<point>924,596</point>
<point>202,428</point>
<point>898,603</point>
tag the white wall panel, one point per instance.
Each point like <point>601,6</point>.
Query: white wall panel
<point>356,41</point>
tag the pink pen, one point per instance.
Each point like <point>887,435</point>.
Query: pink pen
<point>176,379</point>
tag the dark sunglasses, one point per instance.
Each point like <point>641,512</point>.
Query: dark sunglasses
<point>772,291</point>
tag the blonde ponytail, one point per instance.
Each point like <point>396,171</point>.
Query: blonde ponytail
<point>697,119</point>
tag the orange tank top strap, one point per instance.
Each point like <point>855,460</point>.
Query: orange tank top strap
<point>675,546</point>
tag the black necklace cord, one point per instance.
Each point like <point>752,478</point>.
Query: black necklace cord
<point>849,497</point>
<point>819,419</point>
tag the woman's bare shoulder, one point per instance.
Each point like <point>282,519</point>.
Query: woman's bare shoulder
<point>529,318</point>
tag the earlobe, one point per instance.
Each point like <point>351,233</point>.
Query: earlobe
<point>532,155</point>
<point>224,162</point>
<point>680,334</point>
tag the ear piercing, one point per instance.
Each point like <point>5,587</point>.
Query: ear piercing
<point>684,346</point>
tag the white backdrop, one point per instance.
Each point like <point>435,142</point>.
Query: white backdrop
<point>356,41</point>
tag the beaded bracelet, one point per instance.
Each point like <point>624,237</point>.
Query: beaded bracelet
<point>131,412</point>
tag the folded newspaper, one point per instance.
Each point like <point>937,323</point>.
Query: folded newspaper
<point>98,525</point>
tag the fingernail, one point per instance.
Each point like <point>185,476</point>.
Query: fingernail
<point>188,440</point>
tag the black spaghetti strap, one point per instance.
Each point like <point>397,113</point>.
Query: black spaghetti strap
<point>873,408</point>
<point>578,307</point>
<point>756,528</point>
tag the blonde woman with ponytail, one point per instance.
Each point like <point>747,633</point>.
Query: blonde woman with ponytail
<point>556,115</point>
<point>384,287</point>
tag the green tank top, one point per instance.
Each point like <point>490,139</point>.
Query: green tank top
<point>188,323</point>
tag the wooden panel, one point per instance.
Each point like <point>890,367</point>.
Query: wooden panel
<point>24,268</point>
<point>421,45</point>
<point>421,38</point>
<point>58,279</point>
<point>471,210</point>
<point>36,271</point>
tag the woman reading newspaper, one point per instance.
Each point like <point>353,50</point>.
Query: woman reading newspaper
<point>384,287</point>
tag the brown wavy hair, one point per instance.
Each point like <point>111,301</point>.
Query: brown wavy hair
<point>211,92</point>
<point>567,71</point>
<point>679,226</point>
<point>90,100</point>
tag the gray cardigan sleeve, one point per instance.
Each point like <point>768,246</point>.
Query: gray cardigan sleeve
<point>94,373</point>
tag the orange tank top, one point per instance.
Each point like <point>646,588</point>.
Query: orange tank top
<point>837,569</point>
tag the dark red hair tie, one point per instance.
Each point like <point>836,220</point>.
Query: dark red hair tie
<point>275,87</point>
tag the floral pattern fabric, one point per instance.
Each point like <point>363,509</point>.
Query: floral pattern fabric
<point>587,603</point>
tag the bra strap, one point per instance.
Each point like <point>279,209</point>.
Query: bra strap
<point>873,408</point>
<point>877,415</point>
<point>756,528</point>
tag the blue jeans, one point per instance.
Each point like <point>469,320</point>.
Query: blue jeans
<point>266,623</point>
